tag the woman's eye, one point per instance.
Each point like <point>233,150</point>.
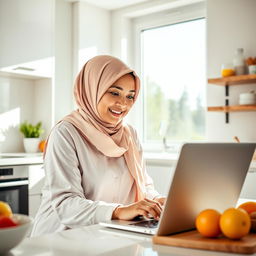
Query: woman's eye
<point>114,93</point>
<point>130,97</point>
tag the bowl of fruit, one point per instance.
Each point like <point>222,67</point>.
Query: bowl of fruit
<point>13,227</point>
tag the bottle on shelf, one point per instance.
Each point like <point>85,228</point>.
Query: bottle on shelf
<point>239,62</point>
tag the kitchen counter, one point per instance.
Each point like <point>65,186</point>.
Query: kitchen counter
<point>97,240</point>
<point>168,159</point>
<point>7,159</point>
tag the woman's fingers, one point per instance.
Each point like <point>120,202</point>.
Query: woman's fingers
<point>161,200</point>
<point>155,205</point>
<point>144,207</point>
<point>151,208</point>
<point>143,213</point>
<point>153,202</point>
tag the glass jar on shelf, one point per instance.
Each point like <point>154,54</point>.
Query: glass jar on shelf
<point>227,69</point>
<point>239,62</point>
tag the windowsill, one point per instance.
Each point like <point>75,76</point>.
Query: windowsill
<point>170,159</point>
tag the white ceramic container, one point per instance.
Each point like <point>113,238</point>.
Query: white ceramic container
<point>248,98</point>
<point>31,145</point>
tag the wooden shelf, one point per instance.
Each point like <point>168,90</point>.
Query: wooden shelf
<point>233,80</point>
<point>235,108</point>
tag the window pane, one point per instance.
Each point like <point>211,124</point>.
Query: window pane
<point>173,72</point>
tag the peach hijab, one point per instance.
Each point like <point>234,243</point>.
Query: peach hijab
<point>96,76</point>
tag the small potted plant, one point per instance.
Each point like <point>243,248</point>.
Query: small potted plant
<point>31,136</point>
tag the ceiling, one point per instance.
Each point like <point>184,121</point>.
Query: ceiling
<point>113,4</point>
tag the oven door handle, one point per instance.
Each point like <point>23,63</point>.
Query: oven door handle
<point>13,183</point>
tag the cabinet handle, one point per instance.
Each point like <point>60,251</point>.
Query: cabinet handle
<point>13,183</point>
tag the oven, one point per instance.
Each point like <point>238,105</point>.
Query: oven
<point>14,187</point>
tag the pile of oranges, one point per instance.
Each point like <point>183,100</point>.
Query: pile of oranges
<point>234,223</point>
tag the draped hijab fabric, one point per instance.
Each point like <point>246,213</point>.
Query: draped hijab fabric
<point>94,79</point>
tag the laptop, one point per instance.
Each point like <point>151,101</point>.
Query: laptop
<point>207,175</point>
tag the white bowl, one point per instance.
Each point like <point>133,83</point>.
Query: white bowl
<point>248,98</point>
<point>11,237</point>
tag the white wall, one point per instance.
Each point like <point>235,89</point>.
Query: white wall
<point>16,99</point>
<point>81,32</point>
<point>94,32</point>
<point>230,25</point>
<point>26,29</point>
<point>42,107</point>
<point>62,90</point>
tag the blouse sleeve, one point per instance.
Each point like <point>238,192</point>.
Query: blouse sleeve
<point>151,193</point>
<point>65,182</point>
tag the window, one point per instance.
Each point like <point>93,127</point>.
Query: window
<point>173,64</point>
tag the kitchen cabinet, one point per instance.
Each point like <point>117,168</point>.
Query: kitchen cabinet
<point>27,31</point>
<point>36,182</point>
<point>232,81</point>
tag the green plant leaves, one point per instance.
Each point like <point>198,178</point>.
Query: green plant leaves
<point>31,131</point>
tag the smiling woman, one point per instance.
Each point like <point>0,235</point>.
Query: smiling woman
<point>118,100</point>
<point>93,161</point>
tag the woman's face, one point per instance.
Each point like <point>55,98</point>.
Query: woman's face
<point>117,100</point>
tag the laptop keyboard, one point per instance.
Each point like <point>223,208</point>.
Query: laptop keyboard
<point>146,224</point>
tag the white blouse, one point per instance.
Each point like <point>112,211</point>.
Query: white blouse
<point>82,186</point>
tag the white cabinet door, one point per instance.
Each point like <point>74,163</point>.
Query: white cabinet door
<point>36,179</point>
<point>34,203</point>
<point>36,182</point>
<point>30,35</point>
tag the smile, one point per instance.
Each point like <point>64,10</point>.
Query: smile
<point>116,113</point>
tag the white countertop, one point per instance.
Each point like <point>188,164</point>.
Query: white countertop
<point>159,159</point>
<point>97,240</point>
<point>7,159</point>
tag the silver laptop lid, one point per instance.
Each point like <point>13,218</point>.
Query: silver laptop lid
<point>207,175</point>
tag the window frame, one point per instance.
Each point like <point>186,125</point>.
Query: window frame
<point>139,24</point>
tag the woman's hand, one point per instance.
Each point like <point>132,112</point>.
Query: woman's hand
<point>160,200</point>
<point>145,207</point>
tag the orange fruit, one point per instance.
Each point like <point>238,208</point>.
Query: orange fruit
<point>227,72</point>
<point>235,223</point>
<point>248,206</point>
<point>41,145</point>
<point>207,223</point>
<point>5,209</point>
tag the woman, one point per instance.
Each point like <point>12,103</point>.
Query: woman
<point>93,161</point>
